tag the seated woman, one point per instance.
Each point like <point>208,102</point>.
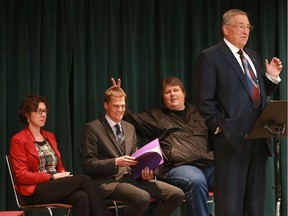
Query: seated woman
<point>39,172</point>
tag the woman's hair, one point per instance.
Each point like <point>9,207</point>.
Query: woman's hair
<point>28,105</point>
<point>113,91</point>
<point>227,16</point>
<point>173,81</point>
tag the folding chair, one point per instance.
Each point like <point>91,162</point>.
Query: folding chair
<point>40,207</point>
<point>117,205</point>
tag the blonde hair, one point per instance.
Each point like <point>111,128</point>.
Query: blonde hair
<point>113,91</point>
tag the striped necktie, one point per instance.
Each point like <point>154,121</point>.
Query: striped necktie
<point>121,138</point>
<point>251,80</point>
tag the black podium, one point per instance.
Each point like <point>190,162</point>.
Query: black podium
<point>273,123</point>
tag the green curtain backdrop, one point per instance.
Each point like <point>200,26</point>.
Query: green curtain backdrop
<point>67,51</point>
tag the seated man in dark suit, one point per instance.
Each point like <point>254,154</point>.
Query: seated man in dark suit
<point>106,159</point>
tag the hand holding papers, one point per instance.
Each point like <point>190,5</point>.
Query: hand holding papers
<point>149,155</point>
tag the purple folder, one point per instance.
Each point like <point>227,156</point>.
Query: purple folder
<point>150,155</point>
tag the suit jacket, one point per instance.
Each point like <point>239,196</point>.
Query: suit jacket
<point>99,148</point>
<point>223,96</point>
<point>25,161</point>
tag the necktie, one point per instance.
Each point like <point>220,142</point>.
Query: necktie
<point>251,80</point>
<point>121,138</point>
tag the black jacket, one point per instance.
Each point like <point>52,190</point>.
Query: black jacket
<point>181,142</point>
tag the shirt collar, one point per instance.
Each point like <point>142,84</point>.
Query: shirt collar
<point>233,48</point>
<point>111,122</point>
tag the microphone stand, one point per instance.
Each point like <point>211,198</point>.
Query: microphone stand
<point>277,132</point>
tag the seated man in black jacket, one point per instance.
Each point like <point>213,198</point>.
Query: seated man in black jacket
<point>182,133</point>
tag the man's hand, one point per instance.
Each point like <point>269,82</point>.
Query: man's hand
<point>274,67</point>
<point>114,83</point>
<point>125,161</point>
<point>147,174</point>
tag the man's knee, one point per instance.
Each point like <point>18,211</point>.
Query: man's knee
<point>144,199</point>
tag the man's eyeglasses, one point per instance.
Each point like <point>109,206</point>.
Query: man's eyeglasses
<point>242,27</point>
<point>40,111</point>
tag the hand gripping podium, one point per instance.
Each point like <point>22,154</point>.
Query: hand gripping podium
<point>273,123</point>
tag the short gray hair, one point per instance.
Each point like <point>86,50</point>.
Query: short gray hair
<point>228,15</point>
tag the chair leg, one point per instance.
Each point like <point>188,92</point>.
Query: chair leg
<point>116,208</point>
<point>50,211</point>
<point>68,212</point>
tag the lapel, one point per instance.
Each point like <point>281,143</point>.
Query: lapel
<point>53,143</point>
<point>256,62</point>
<point>111,135</point>
<point>230,58</point>
<point>30,145</point>
<point>258,69</point>
<point>129,142</point>
<point>126,130</point>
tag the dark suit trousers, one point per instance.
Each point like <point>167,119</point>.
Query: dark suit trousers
<point>240,180</point>
<point>138,193</point>
<point>78,191</point>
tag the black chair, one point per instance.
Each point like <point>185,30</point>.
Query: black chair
<point>118,205</point>
<point>40,207</point>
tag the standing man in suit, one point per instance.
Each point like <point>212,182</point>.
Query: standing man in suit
<point>230,106</point>
<point>106,159</point>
